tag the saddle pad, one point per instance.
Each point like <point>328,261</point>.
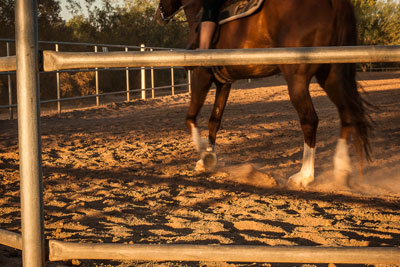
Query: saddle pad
<point>236,9</point>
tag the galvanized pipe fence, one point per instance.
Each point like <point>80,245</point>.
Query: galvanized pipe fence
<point>216,57</point>
<point>69,60</point>
<point>32,239</point>
<point>29,135</point>
<point>222,253</point>
<point>9,66</point>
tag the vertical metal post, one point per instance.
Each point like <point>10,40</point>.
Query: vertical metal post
<point>9,87</point>
<point>189,81</point>
<point>172,80</point>
<point>128,97</point>
<point>29,133</point>
<point>152,79</point>
<point>143,75</point>
<point>97,81</point>
<point>105,50</point>
<point>58,88</point>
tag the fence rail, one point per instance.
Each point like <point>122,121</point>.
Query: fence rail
<point>8,63</point>
<point>8,67</point>
<point>347,255</point>
<point>60,251</point>
<point>11,239</point>
<point>261,56</point>
<point>4,40</point>
<point>100,94</point>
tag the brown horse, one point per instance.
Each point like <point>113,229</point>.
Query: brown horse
<point>289,23</point>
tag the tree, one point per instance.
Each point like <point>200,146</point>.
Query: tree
<point>389,20</point>
<point>7,29</point>
<point>50,25</point>
<point>378,21</point>
<point>131,23</point>
<point>49,20</point>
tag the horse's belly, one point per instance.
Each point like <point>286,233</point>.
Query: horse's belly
<point>250,71</point>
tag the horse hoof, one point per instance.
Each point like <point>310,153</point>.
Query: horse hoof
<point>342,178</point>
<point>200,166</point>
<point>207,163</point>
<point>210,160</point>
<point>299,181</point>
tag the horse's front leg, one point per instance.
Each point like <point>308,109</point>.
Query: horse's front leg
<point>208,155</point>
<point>208,158</point>
<point>201,83</point>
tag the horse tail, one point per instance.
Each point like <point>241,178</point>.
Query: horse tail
<point>346,30</point>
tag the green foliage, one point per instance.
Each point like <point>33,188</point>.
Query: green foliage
<point>7,19</point>
<point>49,20</point>
<point>131,23</point>
<point>378,21</point>
<point>139,5</point>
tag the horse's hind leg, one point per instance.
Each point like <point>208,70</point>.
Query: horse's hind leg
<point>298,85</point>
<point>201,80</point>
<point>332,84</point>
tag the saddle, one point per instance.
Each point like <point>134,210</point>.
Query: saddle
<point>236,9</point>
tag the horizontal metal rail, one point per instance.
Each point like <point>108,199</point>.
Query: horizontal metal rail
<point>303,55</point>
<point>90,70</point>
<point>106,94</point>
<point>8,63</point>
<point>92,44</point>
<point>60,250</point>
<point>215,57</point>
<point>10,239</point>
<point>102,94</point>
<point>107,69</point>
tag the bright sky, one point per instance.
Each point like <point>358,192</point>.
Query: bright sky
<point>64,12</point>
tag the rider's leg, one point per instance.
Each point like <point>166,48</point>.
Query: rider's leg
<point>207,29</point>
<point>209,22</point>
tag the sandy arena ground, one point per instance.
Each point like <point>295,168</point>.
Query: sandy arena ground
<point>124,173</point>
